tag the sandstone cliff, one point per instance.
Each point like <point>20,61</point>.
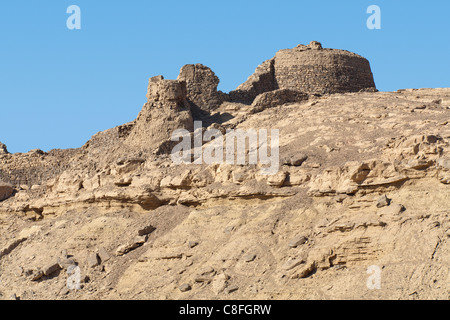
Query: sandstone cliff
<point>363,181</point>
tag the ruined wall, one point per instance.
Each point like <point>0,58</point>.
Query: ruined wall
<point>309,69</point>
<point>201,85</point>
<point>35,167</point>
<point>262,80</point>
<point>169,94</point>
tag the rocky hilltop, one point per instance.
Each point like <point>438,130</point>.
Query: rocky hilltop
<point>363,182</point>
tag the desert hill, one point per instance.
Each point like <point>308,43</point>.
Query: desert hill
<point>363,183</point>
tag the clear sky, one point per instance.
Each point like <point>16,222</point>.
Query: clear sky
<point>58,87</point>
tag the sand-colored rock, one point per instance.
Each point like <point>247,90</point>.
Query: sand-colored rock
<point>363,182</point>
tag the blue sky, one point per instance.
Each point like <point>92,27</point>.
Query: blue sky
<point>58,87</point>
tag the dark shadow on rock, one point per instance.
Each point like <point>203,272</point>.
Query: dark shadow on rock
<point>208,117</point>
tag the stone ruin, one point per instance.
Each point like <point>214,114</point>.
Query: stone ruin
<point>291,76</point>
<point>33,167</point>
<point>308,69</point>
<point>167,109</point>
<point>305,69</point>
<point>201,85</point>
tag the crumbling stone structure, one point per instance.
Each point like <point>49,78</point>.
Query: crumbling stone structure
<point>169,94</point>
<point>262,80</point>
<point>309,69</point>
<point>201,84</point>
<point>312,69</point>
<point>166,110</point>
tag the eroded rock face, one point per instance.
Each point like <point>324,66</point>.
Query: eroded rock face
<point>276,98</point>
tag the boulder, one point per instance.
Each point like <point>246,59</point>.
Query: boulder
<point>297,241</point>
<point>3,149</point>
<point>6,190</point>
